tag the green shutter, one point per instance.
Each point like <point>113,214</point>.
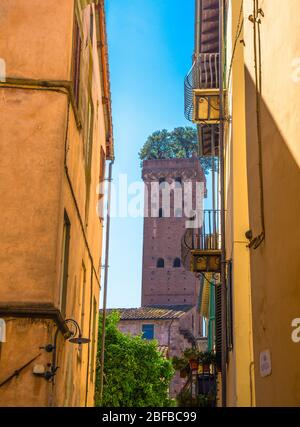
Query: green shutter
<point>218,297</point>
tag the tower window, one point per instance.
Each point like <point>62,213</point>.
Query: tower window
<point>162,183</point>
<point>160,263</point>
<point>178,213</point>
<point>161,213</point>
<point>177,263</point>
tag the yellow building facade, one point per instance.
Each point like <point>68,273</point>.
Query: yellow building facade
<point>55,136</point>
<point>262,158</point>
<point>246,77</point>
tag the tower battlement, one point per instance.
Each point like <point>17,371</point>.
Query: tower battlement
<point>165,281</point>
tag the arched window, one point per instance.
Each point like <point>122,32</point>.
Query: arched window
<point>162,183</point>
<point>178,182</point>
<point>177,263</point>
<point>160,263</point>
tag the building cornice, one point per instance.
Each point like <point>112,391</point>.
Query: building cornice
<point>34,311</point>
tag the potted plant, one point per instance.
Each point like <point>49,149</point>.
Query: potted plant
<point>192,355</point>
<point>184,372</point>
<point>206,400</point>
<point>181,364</point>
<point>185,399</point>
<point>206,359</point>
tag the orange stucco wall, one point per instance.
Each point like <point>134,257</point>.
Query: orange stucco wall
<point>43,174</point>
<point>36,38</point>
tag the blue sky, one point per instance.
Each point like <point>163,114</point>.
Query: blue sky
<point>150,48</point>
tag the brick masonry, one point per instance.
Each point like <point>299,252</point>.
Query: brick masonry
<point>162,237</point>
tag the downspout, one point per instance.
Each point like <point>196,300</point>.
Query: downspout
<point>197,28</point>
<point>105,280</point>
<point>222,185</point>
<point>169,335</point>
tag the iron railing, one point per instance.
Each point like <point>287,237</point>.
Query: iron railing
<point>206,237</point>
<point>204,74</point>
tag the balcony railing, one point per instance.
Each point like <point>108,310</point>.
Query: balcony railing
<point>201,246</point>
<point>204,74</point>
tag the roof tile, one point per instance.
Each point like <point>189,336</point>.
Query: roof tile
<point>154,312</point>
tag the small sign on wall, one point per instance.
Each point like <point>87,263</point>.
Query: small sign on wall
<point>265,363</point>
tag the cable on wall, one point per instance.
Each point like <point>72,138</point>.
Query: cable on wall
<point>255,19</point>
<point>239,30</point>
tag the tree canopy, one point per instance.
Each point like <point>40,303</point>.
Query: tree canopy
<point>135,373</point>
<point>182,142</point>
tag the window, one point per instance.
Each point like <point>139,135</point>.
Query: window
<point>229,307</point>
<point>64,264</point>
<point>89,135</point>
<point>77,62</point>
<point>148,332</point>
<point>178,213</point>
<point>101,184</point>
<point>161,213</point>
<point>102,165</point>
<point>83,292</point>
<point>162,183</point>
<point>177,263</point>
<point>2,331</point>
<point>88,153</point>
<point>91,24</point>
<point>218,325</point>
<point>94,337</point>
<point>160,263</point>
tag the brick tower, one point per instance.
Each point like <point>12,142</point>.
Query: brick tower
<point>165,281</point>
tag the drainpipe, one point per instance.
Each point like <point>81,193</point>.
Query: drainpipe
<point>197,27</point>
<point>105,279</point>
<point>222,185</point>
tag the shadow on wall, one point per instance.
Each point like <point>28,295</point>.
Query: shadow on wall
<point>275,266</point>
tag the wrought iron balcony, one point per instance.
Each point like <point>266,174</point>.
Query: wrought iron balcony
<point>201,89</point>
<point>201,246</point>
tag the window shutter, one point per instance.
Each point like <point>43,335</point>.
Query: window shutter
<point>229,307</point>
<point>218,300</point>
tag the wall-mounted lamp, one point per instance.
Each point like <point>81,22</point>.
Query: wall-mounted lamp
<point>74,336</point>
